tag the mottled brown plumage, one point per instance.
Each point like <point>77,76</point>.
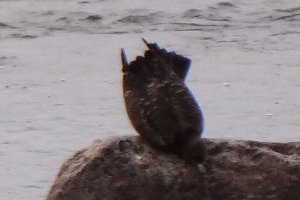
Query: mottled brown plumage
<point>159,105</point>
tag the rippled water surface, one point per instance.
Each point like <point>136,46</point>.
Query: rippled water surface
<point>60,74</point>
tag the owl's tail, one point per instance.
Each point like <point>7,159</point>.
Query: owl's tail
<point>194,150</point>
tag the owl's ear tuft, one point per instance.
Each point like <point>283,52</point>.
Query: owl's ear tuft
<point>124,61</point>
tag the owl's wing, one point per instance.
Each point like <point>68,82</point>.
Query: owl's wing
<point>134,95</point>
<point>173,113</point>
<point>162,120</point>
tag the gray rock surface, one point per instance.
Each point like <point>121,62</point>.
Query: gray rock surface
<point>128,168</point>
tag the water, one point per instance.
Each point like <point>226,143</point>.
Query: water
<point>60,74</point>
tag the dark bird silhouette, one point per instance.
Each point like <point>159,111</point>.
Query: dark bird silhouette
<point>159,105</point>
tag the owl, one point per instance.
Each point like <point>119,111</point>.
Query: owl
<point>159,104</point>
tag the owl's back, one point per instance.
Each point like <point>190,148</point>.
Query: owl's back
<point>159,105</point>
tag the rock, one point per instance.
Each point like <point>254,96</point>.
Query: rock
<point>253,170</point>
<point>94,18</point>
<point>128,168</point>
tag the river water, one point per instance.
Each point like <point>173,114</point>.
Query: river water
<point>60,74</point>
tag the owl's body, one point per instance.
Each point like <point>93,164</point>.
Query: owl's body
<point>159,105</point>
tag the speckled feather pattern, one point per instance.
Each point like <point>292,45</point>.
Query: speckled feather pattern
<point>159,105</point>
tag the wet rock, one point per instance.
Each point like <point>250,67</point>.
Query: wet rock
<point>3,25</point>
<point>94,18</point>
<point>83,2</point>
<point>23,36</point>
<point>128,168</point>
<point>193,13</point>
<point>137,19</point>
<point>225,4</point>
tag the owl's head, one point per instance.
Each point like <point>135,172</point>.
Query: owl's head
<point>156,63</point>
